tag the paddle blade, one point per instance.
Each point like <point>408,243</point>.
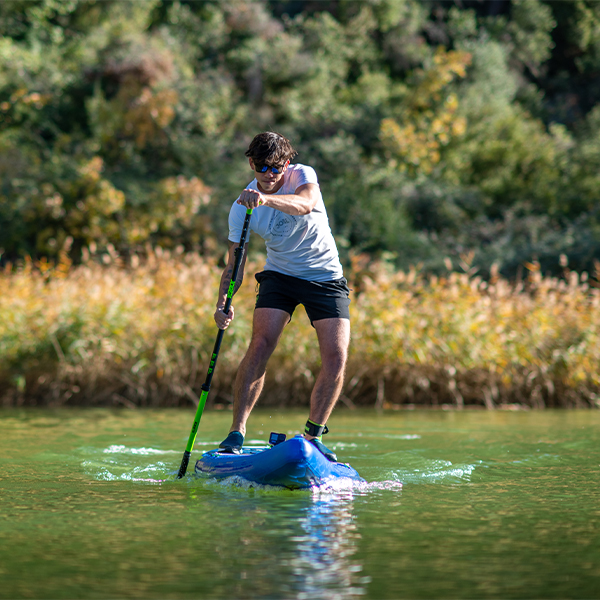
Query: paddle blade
<point>185,461</point>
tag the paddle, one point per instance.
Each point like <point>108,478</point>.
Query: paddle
<point>239,253</point>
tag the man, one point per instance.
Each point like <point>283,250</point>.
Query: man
<point>302,267</point>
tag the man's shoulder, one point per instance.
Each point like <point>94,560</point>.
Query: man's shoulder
<point>301,174</point>
<point>300,168</point>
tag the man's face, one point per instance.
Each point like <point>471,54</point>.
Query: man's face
<point>268,181</point>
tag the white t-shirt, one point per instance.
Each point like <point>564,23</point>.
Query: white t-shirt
<point>301,246</point>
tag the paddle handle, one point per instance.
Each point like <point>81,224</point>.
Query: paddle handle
<point>239,253</point>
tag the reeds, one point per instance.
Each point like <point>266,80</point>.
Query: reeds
<point>103,333</point>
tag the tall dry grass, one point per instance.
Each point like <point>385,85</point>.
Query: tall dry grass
<point>141,335</point>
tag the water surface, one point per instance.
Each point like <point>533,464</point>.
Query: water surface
<point>456,505</point>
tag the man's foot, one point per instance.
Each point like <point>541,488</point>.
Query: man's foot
<point>232,444</point>
<point>323,449</point>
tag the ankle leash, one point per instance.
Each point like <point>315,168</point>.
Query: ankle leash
<point>315,429</point>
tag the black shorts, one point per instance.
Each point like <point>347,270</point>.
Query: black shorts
<point>321,299</point>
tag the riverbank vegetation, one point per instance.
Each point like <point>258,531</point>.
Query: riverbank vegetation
<point>141,335</point>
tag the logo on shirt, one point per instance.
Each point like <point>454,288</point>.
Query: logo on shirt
<point>282,225</point>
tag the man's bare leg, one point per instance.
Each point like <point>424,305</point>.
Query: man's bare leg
<point>267,326</point>
<point>334,339</point>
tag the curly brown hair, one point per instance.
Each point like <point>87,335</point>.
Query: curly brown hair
<point>270,148</point>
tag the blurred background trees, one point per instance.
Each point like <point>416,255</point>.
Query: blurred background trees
<point>440,130</point>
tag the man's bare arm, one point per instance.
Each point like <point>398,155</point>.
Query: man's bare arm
<point>224,320</point>
<point>301,202</point>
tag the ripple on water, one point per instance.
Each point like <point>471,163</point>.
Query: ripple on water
<point>122,463</point>
<point>435,471</point>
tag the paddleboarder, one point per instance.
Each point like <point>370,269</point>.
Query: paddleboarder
<point>302,267</point>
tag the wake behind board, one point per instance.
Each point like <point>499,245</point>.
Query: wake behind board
<point>294,464</point>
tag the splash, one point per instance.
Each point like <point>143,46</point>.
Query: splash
<point>123,463</point>
<point>120,449</point>
<point>154,473</point>
<point>333,487</point>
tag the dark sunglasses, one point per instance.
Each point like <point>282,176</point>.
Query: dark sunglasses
<point>265,168</point>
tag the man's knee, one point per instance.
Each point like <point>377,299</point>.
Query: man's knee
<point>267,327</point>
<point>261,346</point>
<point>334,340</point>
<point>334,359</point>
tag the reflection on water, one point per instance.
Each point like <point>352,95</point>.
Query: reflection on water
<point>297,544</point>
<point>322,562</point>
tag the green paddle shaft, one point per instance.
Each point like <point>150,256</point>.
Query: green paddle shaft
<point>239,253</point>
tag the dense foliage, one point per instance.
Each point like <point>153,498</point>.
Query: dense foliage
<point>439,129</point>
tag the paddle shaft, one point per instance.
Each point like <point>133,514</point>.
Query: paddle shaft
<point>239,253</point>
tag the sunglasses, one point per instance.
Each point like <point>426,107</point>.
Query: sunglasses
<point>265,168</point>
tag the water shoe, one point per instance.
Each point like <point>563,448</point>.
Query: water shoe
<point>232,444</point>
<point>323,449</point>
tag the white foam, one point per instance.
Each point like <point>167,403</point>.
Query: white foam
<point>154,473</point>
<point>333,485</point>
<point>437,471</point>
<point>120,449</point>
<point>235,481</point>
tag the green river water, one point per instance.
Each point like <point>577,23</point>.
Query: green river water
<point>456,505</point>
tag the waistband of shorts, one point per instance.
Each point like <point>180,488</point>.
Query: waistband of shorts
<point>285,276</point>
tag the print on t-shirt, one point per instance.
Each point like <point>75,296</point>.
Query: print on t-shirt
<point>282,225</point>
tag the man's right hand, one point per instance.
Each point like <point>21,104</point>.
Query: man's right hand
<point>223,320</point>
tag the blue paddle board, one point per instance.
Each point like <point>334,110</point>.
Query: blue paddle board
<point>293,464</point>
